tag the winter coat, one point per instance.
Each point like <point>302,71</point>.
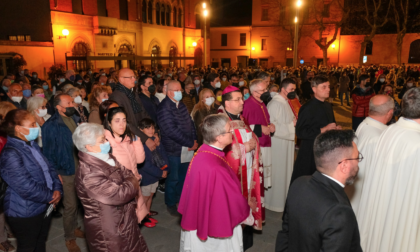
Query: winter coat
<point>361,100</point>
<point>57,145</point>
<point>149,171</point>
<point>27,194</point>
<point>108,197</point>
<point>198,118</point>
<point>176,127</point>
<point>333,86</point>
<point>189,101</point>
<point>132,119</point>
<point>344,84</point>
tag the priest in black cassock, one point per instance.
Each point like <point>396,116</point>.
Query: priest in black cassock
<point>315,117</point>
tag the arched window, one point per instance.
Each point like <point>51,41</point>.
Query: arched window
<point>197,21</point>
<point>172,54</point>
<point>174,17</point>
<point>179,18</point>
<point>168,15</point>
<point>414,54</point>
<point>157,13</point>
<point>144,11</point>
<point>368,49</point>
<point>150,12</point>
<point>80,49</point>
<point>155,53</point>
<point>162,14</point>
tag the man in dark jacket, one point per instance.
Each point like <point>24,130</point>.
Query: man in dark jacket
<point>361,95</point>
<point>178,132</point>
<point>69,79</point>
<point>15,96</point>
<point>318,215</point>
<point>150,102</point>
<point>213,82</point>
<point>60,151</point>
<point>306,88</point>
<point>126,96</point>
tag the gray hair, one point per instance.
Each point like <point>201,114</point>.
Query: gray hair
<point>411,104</point>
<point>253,84</point>
<point>87,134</point>
<point>67,87</point>
<point>71,91</point>
<point>263,75</point>
<point>34,103</point>
<point>213,126</point>
<point>381,109</point>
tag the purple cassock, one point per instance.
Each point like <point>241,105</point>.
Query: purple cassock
<point>211,200</point>
<point>256,113</point>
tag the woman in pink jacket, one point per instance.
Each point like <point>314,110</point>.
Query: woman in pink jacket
<point>126,148</point>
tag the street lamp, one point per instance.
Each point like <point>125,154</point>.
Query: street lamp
<point>65,33</point>
<point>205,35</point>
<point>298,4</point>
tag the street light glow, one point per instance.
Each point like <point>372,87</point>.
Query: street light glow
<point>204,5</point>
<point>194,44</point>
<point>205,13</point>
<point>295,19</point>
<point>299,3</point>
<point>65,32</point>
<point>253,48</point>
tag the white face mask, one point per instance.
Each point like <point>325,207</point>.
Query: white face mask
<point>78,99</point>
<point>42,112</point>
<point>17,98</point>
<point>381,79</point>
<point>209,101</point>
<point>62,80</point>
<point>241,83</point>
<point>218,85</point>
<point>202,80</point>
<point>224,79</point>
<point>272,94</point>
<point>197,82</point>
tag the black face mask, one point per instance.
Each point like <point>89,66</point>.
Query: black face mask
<point>235,84</point>
<point>291,95</point>
<point>309,79</point>
<point>266,97</point>
<point>151,89</point>
<point>193,92</point>
<point>70,111</point>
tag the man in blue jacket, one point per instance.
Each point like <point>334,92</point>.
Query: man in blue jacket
<point>60,151</point>
<point>177,130</point>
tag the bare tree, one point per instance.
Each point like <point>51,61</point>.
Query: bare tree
<point>329,17</point>
<point>375,21</point>
<point>401,23</point>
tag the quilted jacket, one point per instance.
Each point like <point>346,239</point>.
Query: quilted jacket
<point>27,194</point>
<point>57,145</point>
<point>176,127</point>
<point>361,100</point>
<point>108,197</point>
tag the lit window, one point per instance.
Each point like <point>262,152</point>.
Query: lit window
<point>27,37</point>
<point>12,38</point>
<point>20,37</point>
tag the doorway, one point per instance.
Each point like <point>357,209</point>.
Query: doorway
<point>226,63</point>
<point>264,63</point>
<point>289,62</point>
<point>414,54</point>
<point>242,61</point>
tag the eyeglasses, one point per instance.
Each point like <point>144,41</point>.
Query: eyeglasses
<point>359,158</point>
<point>129,77</point>
<point>239,99</point>
<point>229,132</point>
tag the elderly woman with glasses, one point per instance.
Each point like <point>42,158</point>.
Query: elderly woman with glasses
<point>108,193</point>
<point>212,205</point>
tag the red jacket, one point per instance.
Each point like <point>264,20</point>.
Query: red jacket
<point>361,101</point>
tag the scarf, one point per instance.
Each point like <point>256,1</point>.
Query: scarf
<point>131,96</point>
<point>83,117</point>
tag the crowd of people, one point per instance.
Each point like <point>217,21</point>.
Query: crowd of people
<point>220,144</point>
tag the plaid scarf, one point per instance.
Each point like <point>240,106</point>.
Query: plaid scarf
<point>83,117</point>
<point>131,95</point>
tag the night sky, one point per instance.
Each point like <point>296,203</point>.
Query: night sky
<point>231,13</point>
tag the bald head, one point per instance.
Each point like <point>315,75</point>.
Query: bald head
<point>173,86</point>
<point>380,105</point>
<point>127,78</point>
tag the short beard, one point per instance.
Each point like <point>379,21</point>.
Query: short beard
<point>350,180</point>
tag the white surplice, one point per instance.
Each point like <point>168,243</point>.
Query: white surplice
<point>367,134</point>
<point>283,153</point>
<point>389,210</point>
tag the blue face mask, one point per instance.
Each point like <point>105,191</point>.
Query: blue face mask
<point>33,133</point>
<point>104,100</point>
<point>135,82</point>
<point>105,148</point>
<point>72,78</point>
<point>27,93</point>
<point>178,95</point>
<point>5,88</point>
<point>246,96</point>
<point>45,87</point>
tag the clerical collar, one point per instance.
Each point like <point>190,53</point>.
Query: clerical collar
<point>232,116</point>
<point>217,148</point>
<point>333,179</point>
